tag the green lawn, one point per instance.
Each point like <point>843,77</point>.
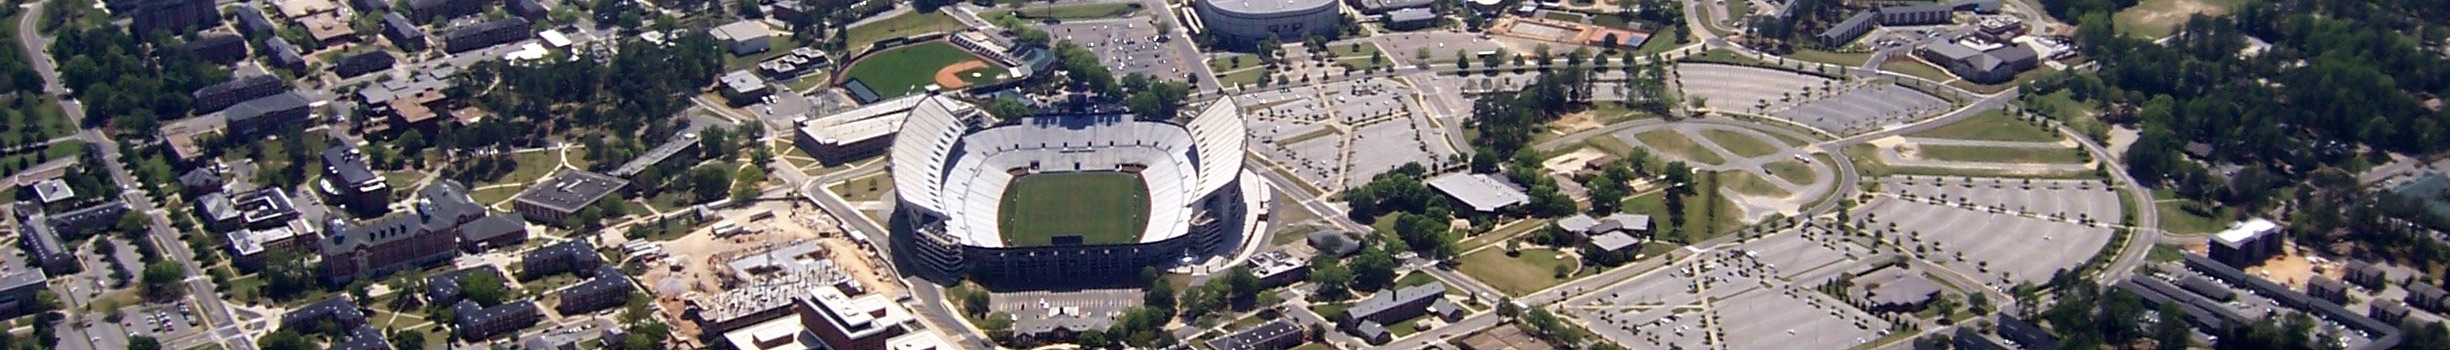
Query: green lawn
<point>907,24</point>
<point>44,124</point>
<point>1678,146</point>
<point>1069,12</point>
<point>1912,67</point>
<point>1838,58</point>
<point>1532,270</point>
<point>1414,279</point>
<point>1746,183</point>
<point>2162,253</point>
<point>903,70</point>
<point>1099,207</point>
<point>1698,224</point>
<point>2175,218</point>
<point>64,150</point>
<point>1352,50</point>
<point>871,188</point>
<point>1501,233</point>
<point>1615,112</point>
<point>1657,43</point>
<point>532,166</point>
<point>2019,80</point>
<point>1867,161</point>
<point>2079,115</point>
<point>1991,125</point>
<point>494,195</point>
<point>2002,154</point>
<point>1743,145</point>
<point>1244,77</point>
<point>1233,61</point>
<point>1792,171</point>
<point>2153,19</point>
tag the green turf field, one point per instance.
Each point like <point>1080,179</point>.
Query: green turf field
<point>1101,207</point>
<point>901,71</point>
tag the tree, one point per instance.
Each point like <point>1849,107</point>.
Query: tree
<point>1159,296</point>
<point>407,340</point>
<point>485,289</point>
<point>284,340</point>
<point>974,302</point>
<point>749,9</point>
<point>1094,339</point>
<point>162,277</point>
<point>1374,269</point>
<point>1244,285</point>
<point>143,343</point>
<point>1006,108</point>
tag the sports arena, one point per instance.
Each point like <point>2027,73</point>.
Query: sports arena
<point>1066,196</point>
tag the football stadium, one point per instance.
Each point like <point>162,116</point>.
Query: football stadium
<point>1066,196</point>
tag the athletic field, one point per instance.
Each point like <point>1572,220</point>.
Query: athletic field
<point>1102,207</point>
<point>903,70</point>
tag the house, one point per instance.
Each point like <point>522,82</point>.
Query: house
<point>1479,192</point>
<point>745,37</point>
<point>2387,311</point>
<point>2247,243</point>
<point>199,181</point>
<point>607,288</point>
<point>742,88</point>
<point>449,287</point>
<point>2366,275</point>
<point>217,47</point>
<point>177,16</point>
<point>213,98</point>
<point>360,64</point>
<point>497,230</point>
<point>1409,19</point>
<point>2427,296</point>
<point>1369,317</point>
<point>564,195</point>
<point>1279,334</point>
<point>488,34</point>
<point>1994,65</point>
<point>2325,288</point>
<point>573,257</point>
<point>278,53</point>
<point>477,323</point>
<point>252,23</point>
<point>402,32</point>
<point>350,179</point>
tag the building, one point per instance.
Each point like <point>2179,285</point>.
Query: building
<point>745,37</point>
<point>563,196</point>
<point>415,102</point>
<point>497,230</point>
<point>1587,226</point>
<point>843,321</point>
<point>371,6</point>
<point>1252,21</point>
<point>52,191</point>
<point>217,47</point>
<point>1409,19</point>
<point>671,147</point>
<point>1369,317</point>
<point>450,287</point>
<point>2023,332</point>
<point>252,23</point>
<point>199,181</point>
<point>1374,7</point>
<point>859,133</point>
<point>1278,268</point>
<point>360,64</point>
<point>1902,292</point>
<point>488,34</point>
<point>1994,65</point>
<point>477,323</point>
<point>402,32</point>
<point>743,88</point>
<point>424,11</point>
<point>1847,30</point>
<point>1479,192</point>
<point>571,257</point>
<point>338,310</point>
<point>1611,248</point>
<point>177,16</point>
<point>2366,275</point>
<point>2383,335</point>
<point>2247,243</point>
<point>45,245</point>
<point>267,114</point>
<point>213,98</point>
<point>949,180</point>
<point>249,246</point>
<point>260,209</point>
<point>530,9</point>
<point>1331,242</point>
<point>2325,288</point>
<point>348,178</point>
<point>2387,311</point>
<point>1915,15</point>
<point>18,290</point>
<point>382,246</point>
<point>608,288</point>
<point>2427,296</point>
<point>1279,334</point>
<point>278,53</point>
<point>800,61</point>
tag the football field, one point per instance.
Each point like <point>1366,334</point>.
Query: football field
<point>1100,207</point>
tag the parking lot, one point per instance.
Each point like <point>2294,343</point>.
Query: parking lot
<point>1752,295</point>
<point>1061,306</point>
<point>2000,247</point>
<point>1857,108</point>
<point>1732,87</point>
<point>1127,46</point>
<point>1338,135</point>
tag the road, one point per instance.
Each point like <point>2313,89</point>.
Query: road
<point>217,316</point>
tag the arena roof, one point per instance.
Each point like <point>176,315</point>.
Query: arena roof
<point>1265,7</point>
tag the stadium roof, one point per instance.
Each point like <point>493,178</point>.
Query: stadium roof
<point>1218,127</point>
<point>1483,192</point>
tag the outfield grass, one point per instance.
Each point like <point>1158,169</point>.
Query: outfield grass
<point>1677,145</point>
<point>1532,270</point>
<point>901,71</point>
<point>1991,125</point>
<point>1100,207</point>
<point>2002,154</point>
<point>1912,67</point>
<point>1741,144</point>
<point>907,24</point>
<point>1791,170</point>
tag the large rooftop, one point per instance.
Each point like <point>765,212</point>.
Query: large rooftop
<point>571,190</point>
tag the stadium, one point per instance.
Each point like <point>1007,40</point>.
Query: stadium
<point>1065,196</point>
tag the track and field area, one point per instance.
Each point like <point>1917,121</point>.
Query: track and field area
<point>901,71</point>
<point>1101,207</point>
